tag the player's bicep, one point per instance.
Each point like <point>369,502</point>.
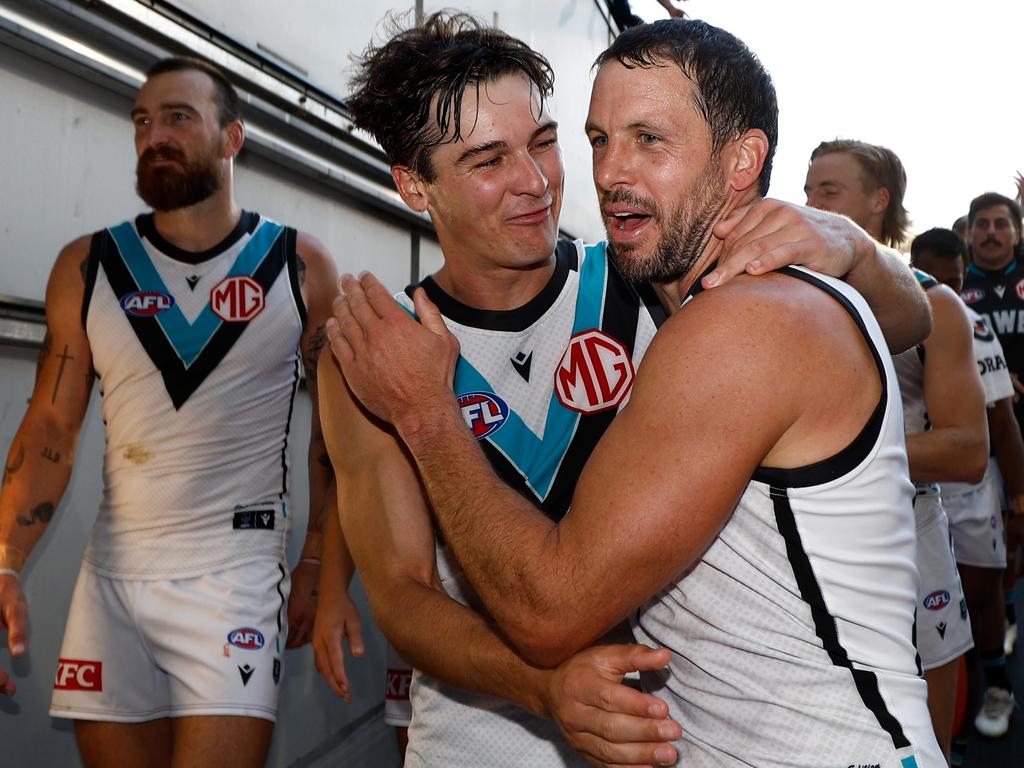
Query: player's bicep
<point>670,469</point>
<point>64,372</point>
<point>954,394</point>
<point>381,502</point>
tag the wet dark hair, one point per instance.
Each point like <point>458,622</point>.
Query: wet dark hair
<point>990,200</point>
<point>943,243</point>
<point>881,167</point>
<point>397,82</point>
<point>224,93</point>
<point>732,89</point>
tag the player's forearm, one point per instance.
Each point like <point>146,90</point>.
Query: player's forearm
<point>446,640</point>
<point>36,474</point>
<point>892,292</point>
<point>321,490</point>
<point>505,545</point>
<point>1007,447</point>
<point>950,454</point>
<point>336,568</point>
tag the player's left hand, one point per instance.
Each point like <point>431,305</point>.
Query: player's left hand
<point>771,234</point>
<point>607,722</point>
<point>393,364</point>
<point>302,604</point>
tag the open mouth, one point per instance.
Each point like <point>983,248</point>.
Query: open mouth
<point>628,221</point>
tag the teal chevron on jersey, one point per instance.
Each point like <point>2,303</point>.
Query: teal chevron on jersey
<point>538,457</point>
<point>189,339</point>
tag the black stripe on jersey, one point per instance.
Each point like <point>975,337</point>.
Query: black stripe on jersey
<point>100,241</point>
<point>825,624</point>
<point>179,380</point>
<point>287,431</point>
<point>619,320</point>
<point>511,320</point>
<point>280,592</point>
<point>292,254</point>
<point>852,455</point>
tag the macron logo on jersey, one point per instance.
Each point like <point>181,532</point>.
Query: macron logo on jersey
<point>78,675</point>
<point>595,374</point>
<point>484,413</point>
<point>237,299</point>
<point>146,303</point>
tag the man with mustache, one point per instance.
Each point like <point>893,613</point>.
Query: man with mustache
<point>994,288</point>
<point>771,371</point>
<point>195,318</point>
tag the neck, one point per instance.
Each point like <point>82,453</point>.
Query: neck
<point>201,226</point>
<point>495,288</point>
<point>994,266</point>
<point>673,293</point>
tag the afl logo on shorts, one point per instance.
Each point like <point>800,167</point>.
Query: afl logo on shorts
<point>484,413</point>
<point>146,303</point>
<point>246,638</point>
<point>936,601</point>
<point>237,299</point>
<point>596,373</point>
<point>972,295</point>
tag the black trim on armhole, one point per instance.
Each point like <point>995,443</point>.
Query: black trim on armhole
<point>291,255</point>
<point>100,240</point>
<point>852,455</point>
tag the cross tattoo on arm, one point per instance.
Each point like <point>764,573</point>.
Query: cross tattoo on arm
<point>63,357</point>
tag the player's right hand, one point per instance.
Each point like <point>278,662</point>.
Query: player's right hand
<point>335,620</point>
<point>610,723</point>
<point>13,618</point>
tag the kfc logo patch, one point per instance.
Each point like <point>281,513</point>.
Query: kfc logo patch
<point>972,295</point>
<point>398,683</point>
<point>484,412</point>
<point>237,299</point>
<point>78,675</point>
<point>596,373</point>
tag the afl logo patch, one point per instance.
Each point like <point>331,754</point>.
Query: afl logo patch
<point>1020,290</point>
<point>595,374</point>
<point>484,413</point>
<point>981,330</point>
<point>936,601</point>
<point>146,303</point>
<point>972,295</point>
<point>246,638</point>
<point>237,299</point>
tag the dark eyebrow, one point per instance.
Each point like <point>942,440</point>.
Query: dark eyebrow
<point>496,146</point>
<point>173,105</point>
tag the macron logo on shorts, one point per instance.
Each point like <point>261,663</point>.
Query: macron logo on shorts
<point>78,675</point>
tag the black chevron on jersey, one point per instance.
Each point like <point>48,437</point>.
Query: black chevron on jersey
<point>181,380</point>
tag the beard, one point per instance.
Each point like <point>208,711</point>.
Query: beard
<point>168,187</point>
<point>685,231</point>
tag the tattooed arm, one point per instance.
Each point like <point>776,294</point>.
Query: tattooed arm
<point>39,461</point>
<point>317,277</point>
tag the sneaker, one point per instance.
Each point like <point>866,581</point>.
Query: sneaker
<point>1009,639</point>
<point>994,718</point>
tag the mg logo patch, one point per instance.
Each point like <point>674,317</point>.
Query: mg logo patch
<point>237,299</point>
<point>595,374</point>
<point>484,412</point>
<point>78,675</point>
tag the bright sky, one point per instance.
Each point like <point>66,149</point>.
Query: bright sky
<point>938,82</point>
